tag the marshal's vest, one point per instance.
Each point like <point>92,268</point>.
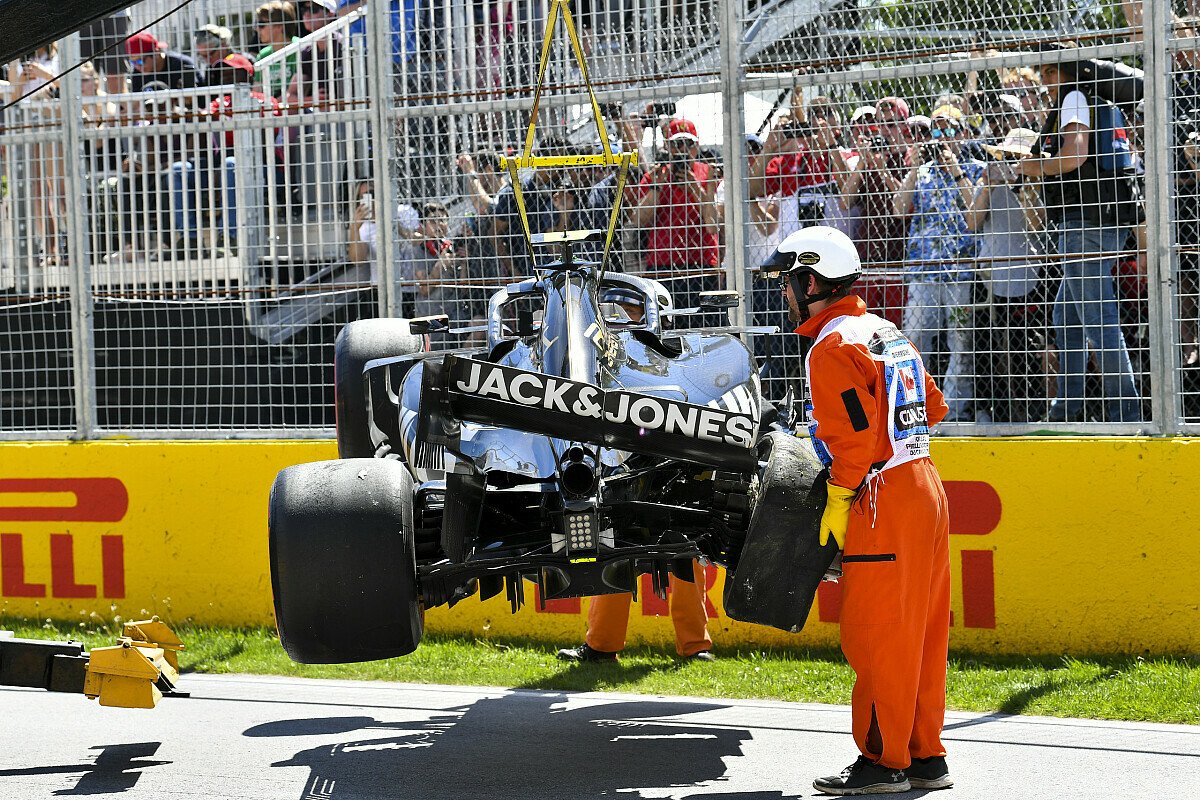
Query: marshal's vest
<point>904,379</point>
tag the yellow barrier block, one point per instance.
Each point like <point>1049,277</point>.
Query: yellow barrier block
<point>156,634</point>
<point>124,676</point>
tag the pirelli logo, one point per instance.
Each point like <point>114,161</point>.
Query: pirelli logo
<point>589,402</point>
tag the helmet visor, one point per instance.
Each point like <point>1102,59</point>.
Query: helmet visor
<point>779,263</point>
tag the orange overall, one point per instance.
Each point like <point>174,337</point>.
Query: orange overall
<point>608,617</point>
<point>895,615</point>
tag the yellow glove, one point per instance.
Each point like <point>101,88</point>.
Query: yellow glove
<point>836,518</point>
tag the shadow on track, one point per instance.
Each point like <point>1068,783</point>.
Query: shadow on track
<point>115,769</point>
<point>517,746</point>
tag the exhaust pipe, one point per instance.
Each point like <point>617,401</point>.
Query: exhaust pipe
<point>577,473</point>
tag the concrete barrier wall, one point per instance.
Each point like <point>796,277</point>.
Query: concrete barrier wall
<point>1058,545</point>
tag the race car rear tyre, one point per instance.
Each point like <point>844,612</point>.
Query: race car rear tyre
<point>781,563</point>
<point>343,564</point>
<point>358,343</point>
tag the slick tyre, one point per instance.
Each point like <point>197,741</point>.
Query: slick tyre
<point>358,343</point>
<point>781,563</point>
<point>343,564</point>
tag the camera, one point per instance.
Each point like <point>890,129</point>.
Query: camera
<point>611,110</point>
<point>879,143</point>
<point>810,211</point>
<point>797,130</point>
<point>663,109</point>
<point>679,163</point>
<point>658,111</point>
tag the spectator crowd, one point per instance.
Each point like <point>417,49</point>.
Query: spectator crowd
<point>999,227</point>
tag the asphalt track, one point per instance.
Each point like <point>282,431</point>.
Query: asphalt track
<point>266,738</point>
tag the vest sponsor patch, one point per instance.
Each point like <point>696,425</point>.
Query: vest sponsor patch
<point>554,394</point>
<point>910,416</point>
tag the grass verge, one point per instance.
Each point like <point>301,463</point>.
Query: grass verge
<point>1119,688</point>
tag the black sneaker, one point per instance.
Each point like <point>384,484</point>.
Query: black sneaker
<point>585,653</point>
<point>929,773</point>
<point>864,776</point>
<point>703,655</point>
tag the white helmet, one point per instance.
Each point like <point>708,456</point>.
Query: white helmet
<point>825,252</point>
<point>819,250</point>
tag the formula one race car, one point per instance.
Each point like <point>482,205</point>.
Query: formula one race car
<point>588,443</point>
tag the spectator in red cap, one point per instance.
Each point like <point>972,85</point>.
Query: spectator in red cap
<point>212,44</point>
<point>240,69</point>
<point>677,208</point>
<point>154,67</point>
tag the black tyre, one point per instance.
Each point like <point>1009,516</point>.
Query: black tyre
<point>358,343</point>
<point>781,563</point>
<point>343,565</point>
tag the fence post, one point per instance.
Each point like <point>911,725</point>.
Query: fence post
<point>80,270</point>
<point>734,154</point>
<point>379,42</point>
<point>249,189</point>
<point>1160,252</point>
<point>15,160</point>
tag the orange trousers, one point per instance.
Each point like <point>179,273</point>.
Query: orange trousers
<point>608,617</point>
<point>895,618</point>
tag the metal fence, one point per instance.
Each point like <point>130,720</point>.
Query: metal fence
<point>178,250</point>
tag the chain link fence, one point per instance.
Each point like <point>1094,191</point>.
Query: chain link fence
<point>187,222</point>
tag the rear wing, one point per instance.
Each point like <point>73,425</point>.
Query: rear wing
<point>467,389</point>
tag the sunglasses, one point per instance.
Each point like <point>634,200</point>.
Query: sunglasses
<point>137,62</point>
<point>944,133</point>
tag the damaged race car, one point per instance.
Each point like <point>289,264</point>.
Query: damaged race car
<point>588,442</point>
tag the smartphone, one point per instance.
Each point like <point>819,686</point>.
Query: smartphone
<point>367,200</point>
